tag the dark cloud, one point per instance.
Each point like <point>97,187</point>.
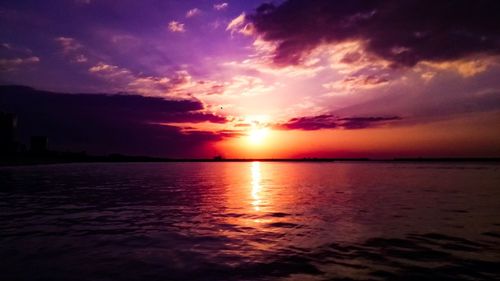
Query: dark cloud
<point>101,123</point>
<point>310,123</point>
<point>328,121</point>
<point>365,122</point>
<point>403,32</point>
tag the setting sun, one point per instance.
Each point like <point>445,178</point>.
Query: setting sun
<point>257,135</point>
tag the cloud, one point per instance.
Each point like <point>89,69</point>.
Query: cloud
<point>14,63</point>
<point>261,63</point>
<point>13,57</point>
<point>80,58</point>
<point>235,87</point>
<point>350,57</point>
<point>240,25</point>
<point>68,44</point>
<point>102,123</point>
<point>6,46</point>
<point>102,67</point>
<point>356,82</point>
<point>125,80</point>
<point>220,6</point>
<point>246,125</point>
<point>401,32</point>
<point>175,26</point>
<point>240,85</point>
<point>72,48</point>
<point>193,12</point>
<point>328,121</point>
<point>464,67</point>
<point>178,84</point>
<point>351,123</point>
<point>121,78</point>
<point>7,49</point>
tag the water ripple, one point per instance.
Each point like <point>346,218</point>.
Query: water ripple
<point>248,221</point>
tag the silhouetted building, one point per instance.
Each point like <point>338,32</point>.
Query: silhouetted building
<point>8,124</point>
<point>39,144</point>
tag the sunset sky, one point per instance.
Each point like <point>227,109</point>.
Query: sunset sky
<point>296,78</point>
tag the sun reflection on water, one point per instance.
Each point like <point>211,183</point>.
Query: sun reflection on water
<point>256,185</point>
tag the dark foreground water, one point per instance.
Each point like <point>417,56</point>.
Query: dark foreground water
<point>250,221</point>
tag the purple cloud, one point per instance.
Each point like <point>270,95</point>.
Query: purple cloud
<point>101,123</point>
<point>351,123</point>
<point>328,121</point>
<point>402,32</point>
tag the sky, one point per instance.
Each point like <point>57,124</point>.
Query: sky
<point>255,79</point>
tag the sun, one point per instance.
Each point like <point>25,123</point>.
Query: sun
<point>257,135</point>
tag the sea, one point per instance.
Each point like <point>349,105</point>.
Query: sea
<point>251,221</point>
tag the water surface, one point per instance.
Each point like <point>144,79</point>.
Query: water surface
<point>250,221</point>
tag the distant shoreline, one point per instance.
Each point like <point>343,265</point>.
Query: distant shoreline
<point>142,159</point>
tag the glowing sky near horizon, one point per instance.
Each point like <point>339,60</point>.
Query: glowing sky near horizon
<point>297,79</point>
